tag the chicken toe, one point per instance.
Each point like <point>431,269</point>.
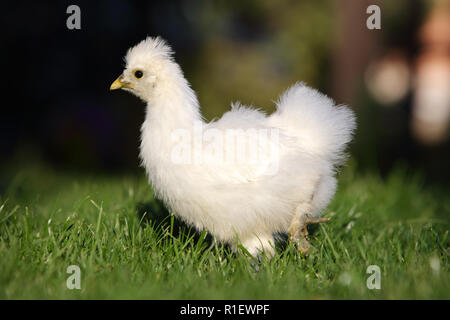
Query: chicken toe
<point>299,232</point>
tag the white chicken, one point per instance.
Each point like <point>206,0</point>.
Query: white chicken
<point>278,185</point>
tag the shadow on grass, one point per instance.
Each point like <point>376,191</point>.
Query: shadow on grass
<point>155,213</point>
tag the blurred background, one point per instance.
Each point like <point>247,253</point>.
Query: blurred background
<point>58,109</point>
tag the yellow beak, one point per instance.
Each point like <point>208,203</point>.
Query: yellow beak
<point>117,84</point>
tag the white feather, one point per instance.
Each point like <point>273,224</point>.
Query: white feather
<point>238,201</point>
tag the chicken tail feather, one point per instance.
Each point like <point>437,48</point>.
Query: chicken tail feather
<point>321,127</point>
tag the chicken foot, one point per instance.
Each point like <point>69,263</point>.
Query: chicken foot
<point>298,232</point>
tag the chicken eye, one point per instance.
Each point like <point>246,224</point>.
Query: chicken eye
<point>138,74</point>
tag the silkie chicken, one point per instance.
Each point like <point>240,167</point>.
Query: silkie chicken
<point>243,202</point>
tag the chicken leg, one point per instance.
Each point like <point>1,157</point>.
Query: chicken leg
<point>298,232</point>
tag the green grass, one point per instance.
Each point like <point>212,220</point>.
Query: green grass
<point>50,220</point>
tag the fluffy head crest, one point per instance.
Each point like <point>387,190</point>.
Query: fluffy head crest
<point>149,49</point>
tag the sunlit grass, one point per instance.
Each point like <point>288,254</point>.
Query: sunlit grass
<point>127,246</point>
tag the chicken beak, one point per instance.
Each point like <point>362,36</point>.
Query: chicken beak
<point>118,84</point>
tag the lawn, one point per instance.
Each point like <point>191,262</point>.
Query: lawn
<point>127,247</point>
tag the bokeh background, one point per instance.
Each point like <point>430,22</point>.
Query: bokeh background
<point>57,108</point>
